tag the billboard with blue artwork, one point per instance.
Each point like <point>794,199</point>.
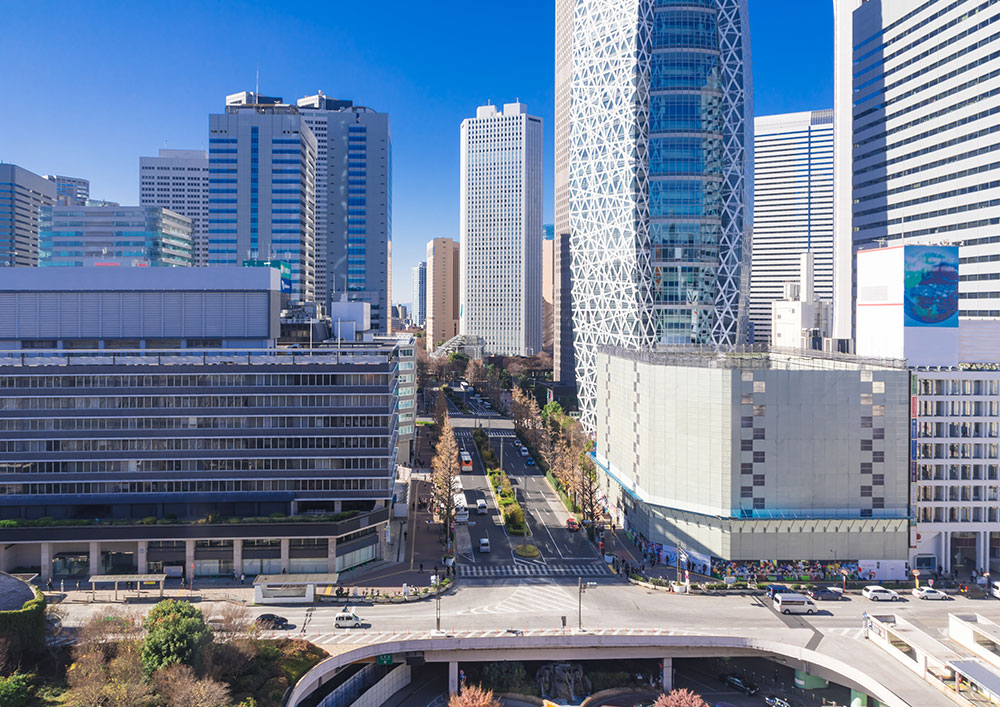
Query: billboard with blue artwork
<point>930,286</point>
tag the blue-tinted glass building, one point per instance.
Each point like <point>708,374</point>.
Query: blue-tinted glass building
<point>661,153</point>
<point>112,235</point>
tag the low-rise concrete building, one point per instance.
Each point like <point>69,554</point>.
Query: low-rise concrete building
<point>757,455</point>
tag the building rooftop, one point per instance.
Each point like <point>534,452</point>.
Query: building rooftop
<point>215,278</point>
<point>759,357</point>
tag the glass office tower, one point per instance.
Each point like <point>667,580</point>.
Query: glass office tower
<point>661,155</point>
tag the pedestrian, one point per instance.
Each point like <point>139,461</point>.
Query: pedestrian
<point>49,584</point>
<point>78,584</point>
<point>243,578</point>
<point>435,569</point>
<point>421,568</point>
<point>404,536</point>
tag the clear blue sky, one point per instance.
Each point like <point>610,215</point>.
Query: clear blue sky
<point>89,87</point>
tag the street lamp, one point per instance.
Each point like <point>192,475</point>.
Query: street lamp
<point>681,555</point>
<point>582,586</point>
<point>437,610</point>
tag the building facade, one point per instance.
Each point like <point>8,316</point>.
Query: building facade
<point>742,462</point>
<point>151,415</point>
<point>353,203</point>
<point>501,229</point>
<point>22,194</point>
<point>563,364</point>
<point>418,303</point>
<point>563,359</point>
<point>178,180</point>
<point>659,178</point>
<point>442,292</point>
<point>548,286</point>
<point>70,191</point>
<point>141,236</point>
<point>916,103</point>
<point>792,211</point>
<point>262,187</point>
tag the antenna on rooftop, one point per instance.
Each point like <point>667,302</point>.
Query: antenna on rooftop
<point>256,91</point>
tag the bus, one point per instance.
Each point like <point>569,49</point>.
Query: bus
<point>458,499</point>
<point>466,459</point>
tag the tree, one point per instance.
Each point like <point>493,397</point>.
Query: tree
<point>475,373</point>
<point>440,410</point>
<point>474,696</point>
<point>181,687</point>
<point>446,470</point>
<point>176,633</point>
<point>680,698</point>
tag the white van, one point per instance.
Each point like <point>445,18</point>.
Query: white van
<point>995,589</point>
<point>347,619</point>
<point>794,604</point>
<point>481,507</point>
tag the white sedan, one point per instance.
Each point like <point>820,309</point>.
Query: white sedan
<point>929,593</point>
<point>876,592</point>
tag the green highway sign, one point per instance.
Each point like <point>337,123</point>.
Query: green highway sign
<point>384,659</point>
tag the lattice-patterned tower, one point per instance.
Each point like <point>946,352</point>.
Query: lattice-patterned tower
<point>660,178</point>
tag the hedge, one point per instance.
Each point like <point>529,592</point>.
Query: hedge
<point>25,627</point>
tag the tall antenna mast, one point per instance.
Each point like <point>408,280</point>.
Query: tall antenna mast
<point>256,93</point>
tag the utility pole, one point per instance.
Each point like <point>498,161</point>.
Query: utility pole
<point>680,555</point>
<point>437,610</point>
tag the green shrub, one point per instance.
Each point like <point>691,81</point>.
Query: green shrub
<point>175,633</point>
<point>15,690</point>
<point>24,628</point>
<point>149,520</point>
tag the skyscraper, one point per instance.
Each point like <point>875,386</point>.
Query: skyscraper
<point>418,306</point>
<point>916,150</point>
<point>792,210</point>
<point>501,229</point>
<point>353,203</point>
<point>659,177</point>
<point>548,285</point>
<point>70,191</point>
<point>21,194</point>
<point>442,292</point>
<point>563,368</point>
<point>262,187</point>
<point>178,180</point>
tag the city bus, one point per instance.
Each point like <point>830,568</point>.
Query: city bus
<point>466,459</point>
<point>458,499</point>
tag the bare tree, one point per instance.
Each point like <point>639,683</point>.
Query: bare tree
<point>474,696</point>
<point>181,687</point>
<point>440,410</point>
<point>446,470</point>
<point>680,698</point>
<point>233,621</point>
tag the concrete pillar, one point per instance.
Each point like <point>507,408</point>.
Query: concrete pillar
<point>141,563</point>
<point>294,510</point>
<point>331,555</point>
<point>238,556</point>
<point>3,558</point>
<point>667,675</point>
<point>189,560</point>
<point>453,678</point>
<point>380,547</point>
<point>45,562</point>
<point>984,554</point>
<point>285,543</point>
<point>95,558</point>
<point>338,506</point>
<point>946,550</point>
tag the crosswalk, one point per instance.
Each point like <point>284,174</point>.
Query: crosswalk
<point>595,569</point>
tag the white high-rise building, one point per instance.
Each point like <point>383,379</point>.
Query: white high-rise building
<point>793,209</point>
<point>418,306</point>
<point>178,180</point>
<point>501,229</point>
<point>917,94</point>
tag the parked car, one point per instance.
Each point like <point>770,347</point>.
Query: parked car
<point>877,592</point>
<point>775,701</point>
<point>484,545</point>
<point>825,594</point>
<point>738,683</point>
<point>773,589</point>
<point>271,621</point>
<point>572,525</point>
<point>929,593</point>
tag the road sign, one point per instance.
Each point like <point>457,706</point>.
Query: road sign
<point>384,659</point>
